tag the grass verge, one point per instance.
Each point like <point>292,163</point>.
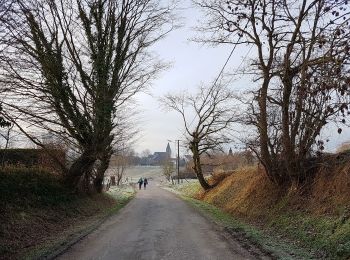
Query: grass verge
<point>327,235</point>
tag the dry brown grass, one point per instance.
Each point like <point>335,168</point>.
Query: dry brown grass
<point>247,192</point>
<point>330,190</point>
<point>314,215</point>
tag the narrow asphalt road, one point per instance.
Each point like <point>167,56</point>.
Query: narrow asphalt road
<point>156,225</point>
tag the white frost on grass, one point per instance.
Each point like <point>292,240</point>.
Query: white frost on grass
<point>124,191</point>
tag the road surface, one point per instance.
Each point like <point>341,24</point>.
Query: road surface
<point>156,225</point>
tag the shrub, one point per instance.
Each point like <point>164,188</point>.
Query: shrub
<point>23,185</point>
<point>27,157</point>
<point>33,157</point>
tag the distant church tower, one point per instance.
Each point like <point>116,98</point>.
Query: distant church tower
<point>168,150</point>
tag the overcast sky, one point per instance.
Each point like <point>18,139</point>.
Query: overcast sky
<point>192,64</point>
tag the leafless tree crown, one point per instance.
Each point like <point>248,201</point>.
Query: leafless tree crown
<point>301,66</point>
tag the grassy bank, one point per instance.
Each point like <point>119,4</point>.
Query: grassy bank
<point>306,222</point>
<point>39,216</point>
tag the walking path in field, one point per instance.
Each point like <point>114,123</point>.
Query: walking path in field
<point>157,225</point>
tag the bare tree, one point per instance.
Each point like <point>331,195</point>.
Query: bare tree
<point>301,66</point>
<point>210,128</point>
<point>168,168</point>
<point>146,153</point>
<point>120,162</point>
<point>70,66</point>
<point>7,135</point>
<point>125,136</point>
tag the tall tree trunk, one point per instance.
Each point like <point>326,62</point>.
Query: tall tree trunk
<point>262,119</point>
<point>198,167</point>
<point>119,178</point>
<point>289,158</point>
<point>81,167</point>
<point>113,183</point>
<point>101,169</point>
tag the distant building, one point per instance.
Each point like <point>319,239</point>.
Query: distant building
<point>159,157</point>
<point>168,150</point>
<point>230,152</point>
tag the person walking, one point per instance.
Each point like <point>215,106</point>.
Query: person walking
<point>145,182</point>
<point>140,183</point>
